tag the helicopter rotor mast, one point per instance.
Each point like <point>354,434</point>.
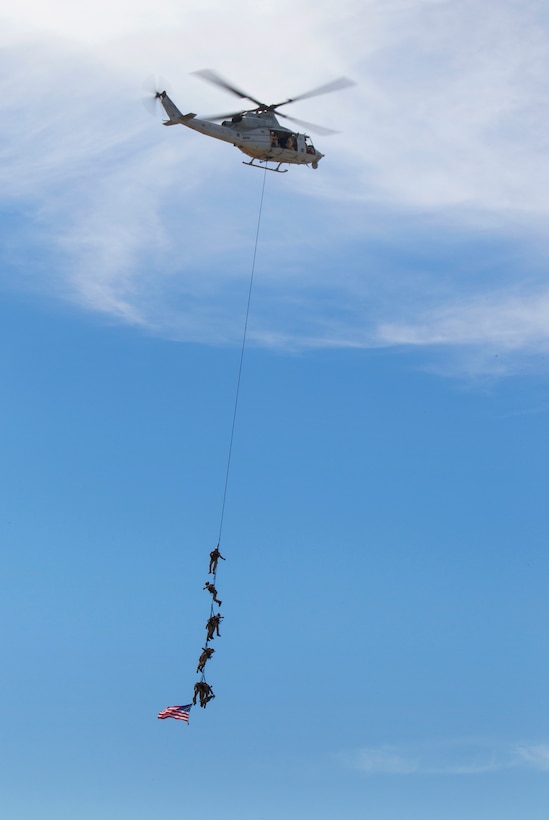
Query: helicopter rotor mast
<point>216,79</point>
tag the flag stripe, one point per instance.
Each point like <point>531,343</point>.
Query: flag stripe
<point>177,712</point>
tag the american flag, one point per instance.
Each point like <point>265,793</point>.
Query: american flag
<point>177,712</point>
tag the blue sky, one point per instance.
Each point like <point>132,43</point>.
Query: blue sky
<point>382,653</point>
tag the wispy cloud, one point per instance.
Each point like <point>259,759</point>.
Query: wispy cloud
<point>444,136</point>
<point>457,757</point>
<point>508,326</point>
<point>535,756</point>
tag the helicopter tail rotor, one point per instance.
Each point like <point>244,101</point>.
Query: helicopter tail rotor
<point>153,88</point>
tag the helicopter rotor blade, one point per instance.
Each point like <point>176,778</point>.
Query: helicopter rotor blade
<point>228,116</point>
<point>317,129</point>
<point>216,79</point>
<point>335,85</point>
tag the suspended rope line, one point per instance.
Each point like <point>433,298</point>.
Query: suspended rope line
<point>202,690</point>
<point>241,360</point>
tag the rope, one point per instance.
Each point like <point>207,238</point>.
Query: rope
<point>241,362</point>
<point>227,472</point>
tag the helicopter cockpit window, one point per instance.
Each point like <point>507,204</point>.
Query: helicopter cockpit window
<point>310,146</point>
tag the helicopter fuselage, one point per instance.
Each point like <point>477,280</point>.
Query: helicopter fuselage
<point>259,135</point>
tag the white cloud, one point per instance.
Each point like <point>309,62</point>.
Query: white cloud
<point>503,325</point>
<point>450,104</point>
<point>449,758</point>
<point>445,132</point>
<point>535,757</point>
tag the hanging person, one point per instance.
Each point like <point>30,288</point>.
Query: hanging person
<point>215,555</point>
<point>204,692</point>
<point>206,695</point>
<point>207,653</point>
<point>212,625</point>
<point>213,590</point>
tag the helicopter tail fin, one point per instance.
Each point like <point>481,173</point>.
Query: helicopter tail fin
<point>173,112</point>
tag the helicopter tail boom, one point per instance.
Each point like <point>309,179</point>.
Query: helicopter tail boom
<point>171,109</point>
<point>182,118</point>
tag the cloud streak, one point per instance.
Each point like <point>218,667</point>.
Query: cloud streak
<point>450,758</point>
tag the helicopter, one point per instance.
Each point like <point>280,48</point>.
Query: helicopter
<point>256,131</point>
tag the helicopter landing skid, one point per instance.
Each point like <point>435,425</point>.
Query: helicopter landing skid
<point>277,170</point>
